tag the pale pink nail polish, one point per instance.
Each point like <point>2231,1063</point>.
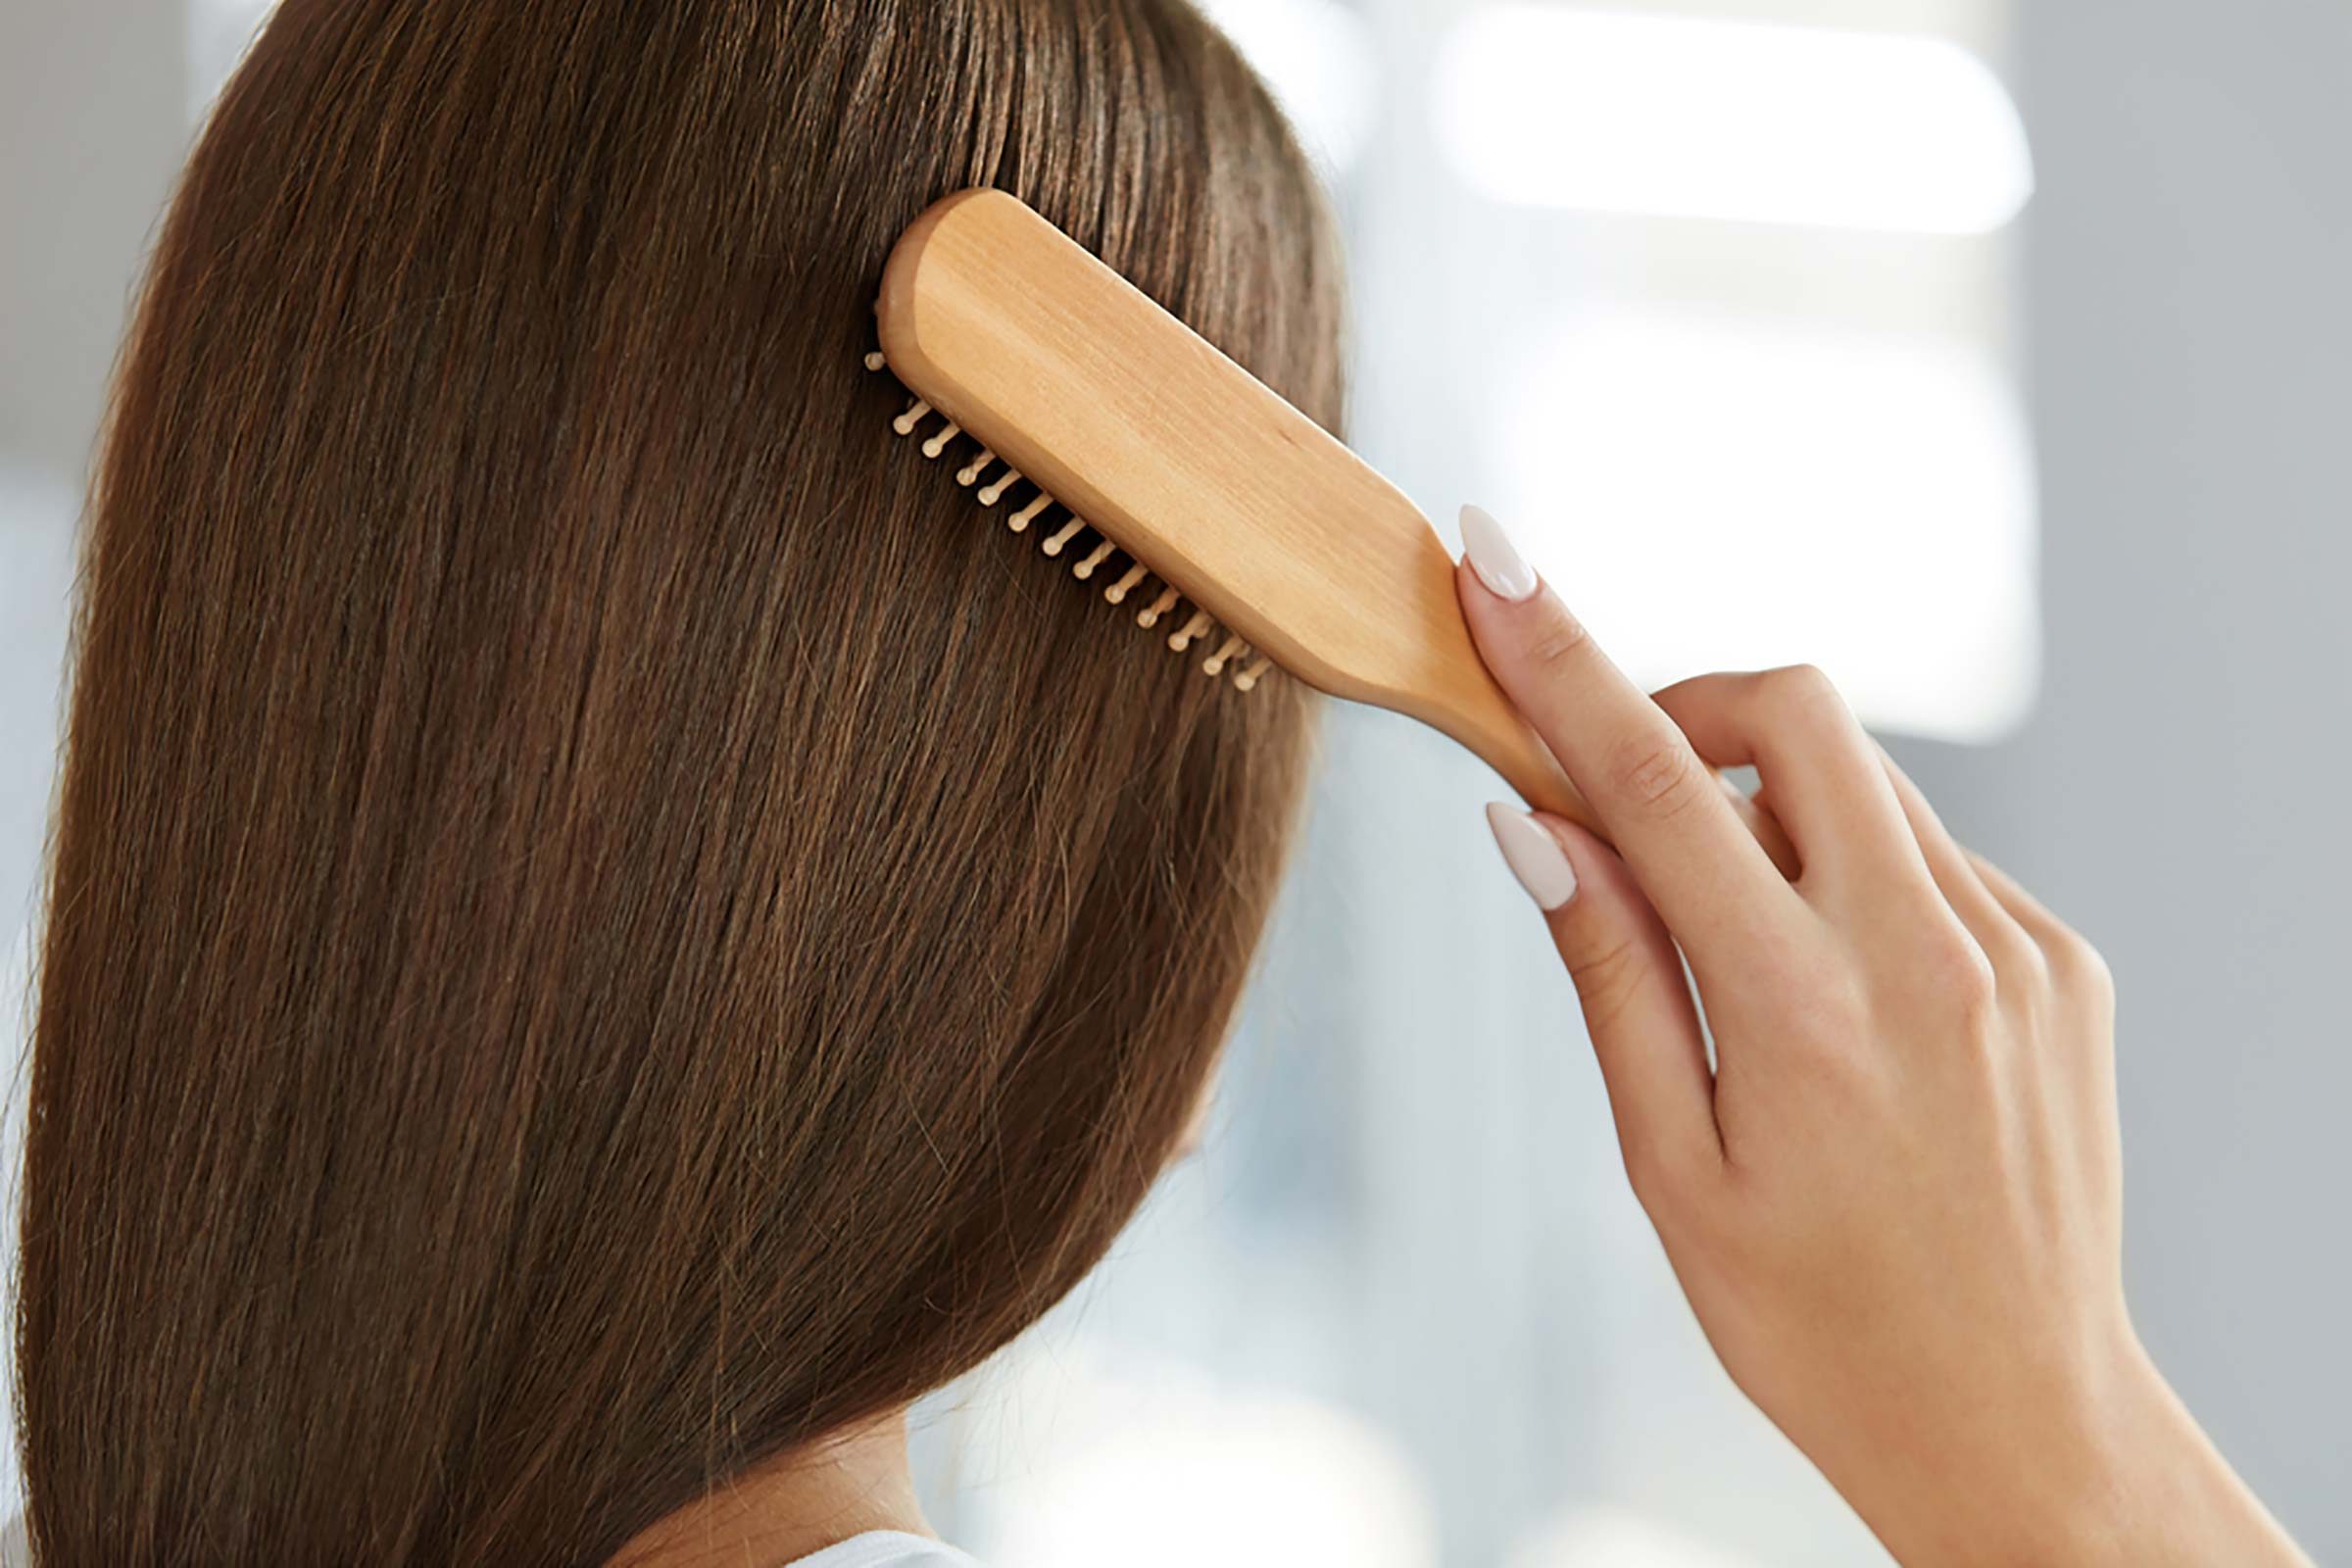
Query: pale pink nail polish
<point>1534,855</point>
<point>1492,554</point>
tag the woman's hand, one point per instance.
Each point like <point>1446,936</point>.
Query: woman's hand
<point>1896,1198</point>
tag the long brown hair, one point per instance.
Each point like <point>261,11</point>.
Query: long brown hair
<point>604,922</point>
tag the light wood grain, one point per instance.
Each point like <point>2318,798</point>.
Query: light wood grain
<point>1195,467</point>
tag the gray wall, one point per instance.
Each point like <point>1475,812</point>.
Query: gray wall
<point>2179,795</point>
<point>93,123</point>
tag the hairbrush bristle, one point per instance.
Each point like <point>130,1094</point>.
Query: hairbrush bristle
<point>1029,514</point>
<point>1198,627</point>
<point>1151,614</point>
<point>1117,592</point>
<point>1094,558</point>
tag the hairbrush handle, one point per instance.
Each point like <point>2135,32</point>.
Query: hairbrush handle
<point>1496,733</point>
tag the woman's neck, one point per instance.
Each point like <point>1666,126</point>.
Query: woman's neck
<point>792,1506</point>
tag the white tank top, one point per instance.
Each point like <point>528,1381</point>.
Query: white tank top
<point>888,1548</point>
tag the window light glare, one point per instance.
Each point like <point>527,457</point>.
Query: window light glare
<point>1733,492</point>
<point>1316,59</point>
<point>1615,111</point>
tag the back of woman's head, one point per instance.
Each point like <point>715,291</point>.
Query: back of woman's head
<point>604,922</point>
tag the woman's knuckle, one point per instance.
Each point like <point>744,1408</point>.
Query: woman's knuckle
<point>1607,977</point>
<point>1801,692</point>
<point>2018,960</point>
<point>1558,641</point>
<point>1796,683</point>
<point>1957,975</point>
<point>2080,966</point>
<point>1938,967</point>
<point>1658,774</point>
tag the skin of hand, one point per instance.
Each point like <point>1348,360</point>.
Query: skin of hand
<point>1896,1198</point>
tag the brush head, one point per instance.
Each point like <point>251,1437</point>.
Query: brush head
<point>1084,387</point>
<point>1193,466</point>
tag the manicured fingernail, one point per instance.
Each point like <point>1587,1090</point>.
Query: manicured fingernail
<point>1492,554</point>
<point>1534,855</point>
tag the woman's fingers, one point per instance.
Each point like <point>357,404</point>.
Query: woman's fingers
<point>2015,957</point>
<point>1629,978</point>
<point>2076,968</point>
<point>1821,773</point>
<point>2028,912</point>
<point>1701,868</point>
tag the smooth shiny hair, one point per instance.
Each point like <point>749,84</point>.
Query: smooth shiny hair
<point>604,922</point>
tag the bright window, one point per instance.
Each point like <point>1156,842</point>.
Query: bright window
<point>1626,111</point>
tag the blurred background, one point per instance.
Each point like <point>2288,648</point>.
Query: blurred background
<point>1995,357</point>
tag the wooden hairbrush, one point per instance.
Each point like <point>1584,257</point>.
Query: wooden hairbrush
<point>1122,431</point>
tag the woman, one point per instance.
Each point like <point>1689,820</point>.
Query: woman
<point>604,927</point>
<point>603,936</point>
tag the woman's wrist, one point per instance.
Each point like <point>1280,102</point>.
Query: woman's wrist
<point>2116,1472</point>
<point>2176,1499</point>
